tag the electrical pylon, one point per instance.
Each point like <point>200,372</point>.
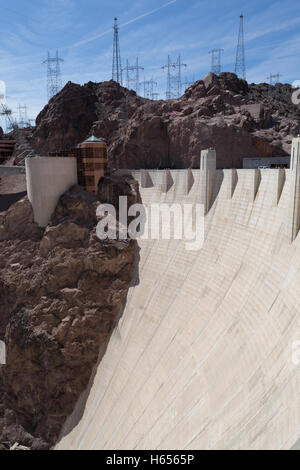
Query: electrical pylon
<point>216,60</point>
<point>54,81</point>
<point>174,83</point>
<point>240,63</point>
<point>273,80</point>
<point>23,117</point>
<point>133,76</point>
<point>6,112</point>
<point>117,64</point>
<point>149,89</point>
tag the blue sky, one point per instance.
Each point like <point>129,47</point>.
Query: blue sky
<point>82,31</point>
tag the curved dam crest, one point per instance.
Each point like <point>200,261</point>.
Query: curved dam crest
<point>202,357</point>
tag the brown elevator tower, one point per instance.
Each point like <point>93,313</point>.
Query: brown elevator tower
<point>92,162</point>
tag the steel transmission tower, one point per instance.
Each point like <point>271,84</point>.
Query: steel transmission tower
<point>216,60</point>
<point>23,117</point>
<point>133,76</point>
<point>117,64</point>
<point>149,89</point>
<point>240,63</point>
<point>7,114</point>
<point>154,96</point>
<point>174,83</point>
<point>54,81</point>
<point>5,111</point>
<point>273,80</point>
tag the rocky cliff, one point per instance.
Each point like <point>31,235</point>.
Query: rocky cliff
<point>69,116</point>
<point>62,292</point>
<point>237,118</point>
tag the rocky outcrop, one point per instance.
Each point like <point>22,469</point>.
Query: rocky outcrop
<point>143,142</point>
<point>69,116</point>
<point>238,119</point>
<point>17,223</point>
<point>62,293</point>
<point>113,186</point>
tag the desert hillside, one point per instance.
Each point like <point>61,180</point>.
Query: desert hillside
<point>216,111</point>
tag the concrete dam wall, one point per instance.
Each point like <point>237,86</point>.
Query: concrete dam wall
<point>204,354</point>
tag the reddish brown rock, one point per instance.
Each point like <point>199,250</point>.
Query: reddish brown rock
<point>62,293</point>
<point>17,222</point>
<point>69,116</point>
<point>238,119</point>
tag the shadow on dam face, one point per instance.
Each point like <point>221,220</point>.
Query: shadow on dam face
<point>107,193</point>
<point>82,401</point>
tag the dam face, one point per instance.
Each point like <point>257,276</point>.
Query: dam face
<point>204,354</point>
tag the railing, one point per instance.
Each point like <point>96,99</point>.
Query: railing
<point>27,154</point>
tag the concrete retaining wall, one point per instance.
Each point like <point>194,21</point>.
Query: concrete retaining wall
<point>47,179</point>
